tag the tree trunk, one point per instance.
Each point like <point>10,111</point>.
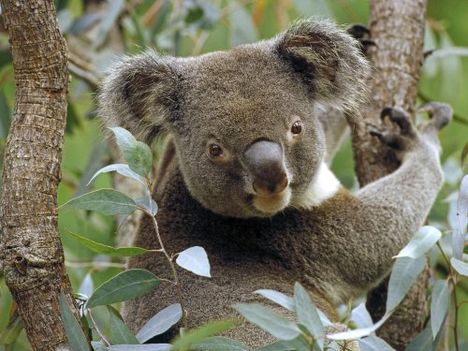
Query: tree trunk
<point>397,28</point>
<point>32,254</point>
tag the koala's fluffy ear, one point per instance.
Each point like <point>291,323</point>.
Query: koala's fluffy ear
<point>329,61</point>
<point>139,94</point>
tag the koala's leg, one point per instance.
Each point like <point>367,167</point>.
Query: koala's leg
<point>399,203</point>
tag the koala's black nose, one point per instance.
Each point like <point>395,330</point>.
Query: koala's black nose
<point>264,160</point>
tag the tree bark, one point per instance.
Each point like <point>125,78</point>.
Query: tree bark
<point>32,254</point>
<point>397,28</point>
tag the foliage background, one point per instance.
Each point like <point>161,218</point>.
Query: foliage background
<point>97,30</point>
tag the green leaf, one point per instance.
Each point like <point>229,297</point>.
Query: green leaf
<point>297,344</point>
<point>122,169</point>
<point>460,266</point>
<point>358,333</point>
<point>106,201</point>
<point>423,341</point>
<point>198,335</point>
<point>120,334</point>
<point>361,317</point>
<point>124,286</point>
<point>10,334</point>
<point>137,154</point>
<point>219,343</point>
<point>160,323</point>
<point>404,273</point>
<point>148,204</point>
<point>462,205</point>
<point>278,297</point>
<point>75,335</point>
<point>374,343</point>
<point>195,260</point>
<point>108,250</point>
<point>439,305</point>
<point>425,238</point>
<point>146,347</point>
<point>307,314</point>
<point>87,286</point>
<point>268,320</point>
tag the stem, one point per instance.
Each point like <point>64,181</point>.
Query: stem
<point>453,280</point>
<point>103,338</point>
<point>455,327</point>
<point>170,261</point>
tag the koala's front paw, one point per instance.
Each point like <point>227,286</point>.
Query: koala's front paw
<point>404,138</point>
<point>362,34</point>
<point>440,115</point>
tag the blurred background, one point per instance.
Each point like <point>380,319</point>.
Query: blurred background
<point>96,31</point>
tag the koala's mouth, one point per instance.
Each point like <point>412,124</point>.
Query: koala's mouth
<point>272,204</point>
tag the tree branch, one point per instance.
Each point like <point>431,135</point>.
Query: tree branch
<point>397,28</point>
<point>32,254</point>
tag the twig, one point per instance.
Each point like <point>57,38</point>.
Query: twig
<point>169,260</point>
<point>103,338</point>
<point>453,280</point>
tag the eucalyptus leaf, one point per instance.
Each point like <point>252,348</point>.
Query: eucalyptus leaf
<point>120,334</point>
<point>108,250</point>
<point>358,333</point>
<point>137,154</point>
<point>462,205</point>
<point>425,238</point>
<point>404,273</point>
<point>160,322</point>
<point>196,336</point>
<point>195,260</point>
<point>460,266</point>
<point>219,343</point>
<point>75,335</point>
<point>87,287</point>
<point>439,305</point>
<point>361,317</point>
<point>268,320</point>
<point>124,286</point>
<point>122,169</point>
<point>145,347</point>
<point>148,204</point>
<point>279,298</point>
<point>374,343</point>
<point>307,314</point>
<point>297,344</point>
<point>106,201</point>
<point>457,243</point>
<point>423,342</point>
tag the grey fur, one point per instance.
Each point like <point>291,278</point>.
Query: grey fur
<point>339,248</point>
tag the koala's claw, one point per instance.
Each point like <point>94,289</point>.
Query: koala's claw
<point>392,140</point>
<point>400,118</point>
<point>358,31</point>
<point>362,34</point>
<point>440,113</point>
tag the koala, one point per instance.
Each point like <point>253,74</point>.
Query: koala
<point>244,173</point>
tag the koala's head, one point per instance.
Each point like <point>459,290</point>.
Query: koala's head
<point>248,143</point>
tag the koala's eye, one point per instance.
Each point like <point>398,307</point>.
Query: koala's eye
<point>215,150</point>
<point>296,128</point>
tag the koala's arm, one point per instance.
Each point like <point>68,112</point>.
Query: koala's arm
<point>398,204</point>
